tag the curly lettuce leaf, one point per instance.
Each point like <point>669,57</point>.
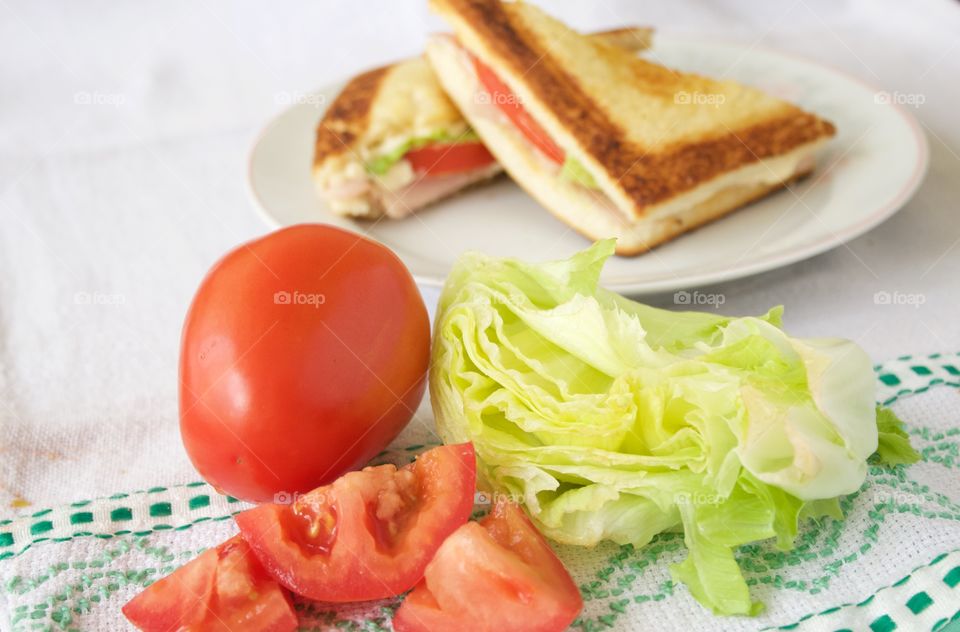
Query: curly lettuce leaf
<point>894,444</point>
<point>614,420</point>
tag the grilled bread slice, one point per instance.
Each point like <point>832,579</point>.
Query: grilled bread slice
<point>662,151</point>
<point>358,158</point>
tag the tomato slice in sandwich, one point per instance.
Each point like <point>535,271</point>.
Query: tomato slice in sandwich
<point>489,576</point>
<point>368,535</point>
<point>222,589</point>
<point>446,158</point>
<point>510,105</point>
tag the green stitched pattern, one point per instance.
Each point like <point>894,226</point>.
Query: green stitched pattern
<point>883,624</point>
<point>948,625</point>
<point>6,539</point>
<point>41,527</point>
<point>159,510</point>
<point>91,584</point>
<point>120,514</point>
<point>199,501</point>
<point>919,602</point>
<point>81,517</point>
<point>952,578</point>
<point>890,379</point>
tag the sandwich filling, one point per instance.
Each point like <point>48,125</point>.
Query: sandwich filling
<point>498,93</point>
<point>393,141</point>
<point>403,175</point>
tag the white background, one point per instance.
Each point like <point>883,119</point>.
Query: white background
<point>124,128</point>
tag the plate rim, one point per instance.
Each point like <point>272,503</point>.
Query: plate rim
<point>753,267</point>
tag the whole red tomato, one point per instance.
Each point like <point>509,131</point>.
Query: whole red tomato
<point>303,355</point>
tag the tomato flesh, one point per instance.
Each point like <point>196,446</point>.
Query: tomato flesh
<point>222,589</point>
<point>489,576</point>
<point>508,103</point>
<point>447,158</point>
<point>303,355</point>
<point>370,534</point>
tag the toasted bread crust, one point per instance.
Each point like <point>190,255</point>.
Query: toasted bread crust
<point>646,175</point>
<point>720,205</point>
<point>654,177</point>
<point>345,120</point>
<point>629,38</point>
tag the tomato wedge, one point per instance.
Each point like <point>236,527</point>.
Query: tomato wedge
<point>222,589</point>
<point>368,535</point>
<point>510,105</point>
<point>443,158</point>
<point>489,576</point>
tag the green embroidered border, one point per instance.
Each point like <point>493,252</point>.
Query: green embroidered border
<point>906,369</point>
<point>95,584</point>
<point>897,379</point>
<point>948,625</point>
<point>65,523</point>
<point>43,524</point>
<point>900,582</point>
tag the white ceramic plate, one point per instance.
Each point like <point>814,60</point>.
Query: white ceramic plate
<point>867,172</point>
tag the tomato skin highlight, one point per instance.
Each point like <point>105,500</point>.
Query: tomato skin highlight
<point>493,575</point>
<point>445,158</point>
<point>370,534</point>
<point>303,354</point>
<point>222,589</point>
<point>508,103</point>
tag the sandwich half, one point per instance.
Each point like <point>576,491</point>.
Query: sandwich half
<point>612,144</point>
<point>393,141</point>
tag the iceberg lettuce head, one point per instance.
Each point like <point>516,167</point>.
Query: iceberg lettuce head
<point>612,420</point>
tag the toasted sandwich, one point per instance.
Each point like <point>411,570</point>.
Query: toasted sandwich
<point>392,141</point>
<point>612,144</point>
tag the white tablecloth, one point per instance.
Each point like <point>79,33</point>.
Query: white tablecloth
<point>124,129</point>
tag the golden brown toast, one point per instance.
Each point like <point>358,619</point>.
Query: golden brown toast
<point>405,98</point>
<point>626,119</point>
<point>400,100</point>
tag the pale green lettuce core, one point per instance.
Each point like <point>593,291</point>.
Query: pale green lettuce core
<point>613,420</point>
<point>381,164</point>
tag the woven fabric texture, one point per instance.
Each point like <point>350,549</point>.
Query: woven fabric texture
<point>892,564</point>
